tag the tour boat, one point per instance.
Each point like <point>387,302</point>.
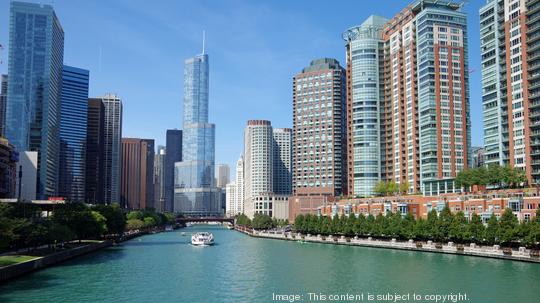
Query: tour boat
<point>202,239</point>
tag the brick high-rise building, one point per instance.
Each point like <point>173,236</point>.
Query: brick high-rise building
<point>415,74</point>
<point>137,178</point>
<point>318,136</point>
<point>509,32</point>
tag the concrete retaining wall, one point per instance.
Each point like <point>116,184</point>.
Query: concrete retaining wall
<point>449,248</point>
<point>19,269</point>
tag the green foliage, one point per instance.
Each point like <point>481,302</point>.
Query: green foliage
<point>439,227</point>
<point>262,221</point>
<point>492,231</point>
<point>380,188</point>
<point>492,175</point>
<point>475,229</point>
<point>404,187</point>
<point>243,220</point>
<point>115,219</point>
<point>133,224</point>
<point>135,214</point>
<point>508,224</point>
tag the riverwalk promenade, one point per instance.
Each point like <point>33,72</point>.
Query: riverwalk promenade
<point>495,251</point>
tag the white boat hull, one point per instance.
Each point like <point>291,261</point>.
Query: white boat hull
<point>202,239</point>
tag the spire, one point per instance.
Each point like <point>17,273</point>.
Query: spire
<point>203,38</point>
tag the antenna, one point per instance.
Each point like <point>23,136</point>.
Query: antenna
<point>203,38</point>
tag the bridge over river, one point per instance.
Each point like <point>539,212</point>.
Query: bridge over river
<point>183,221</point>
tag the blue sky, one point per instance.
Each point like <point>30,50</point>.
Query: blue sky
<point>255,49</point>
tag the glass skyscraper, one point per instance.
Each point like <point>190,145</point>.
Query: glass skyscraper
<point>173,154</point>
<point>112,136</point>
<point>195,192</point>
<point>36,53</point>
<point>365,46</point>
<point>73,123</point>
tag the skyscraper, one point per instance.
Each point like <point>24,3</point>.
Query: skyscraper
<point>173,154</point>
<point>112,136</point>
<point>409,85</point>
<point>239,192</point>
<point>282,161</point>
<point>195,192</point>
<point>159,179</point>
<point>95,147</point>
<point>319,129</point>
<point>434,35</point>
<point>73,126</point>
<point>318,136</point>
<point>261,194</point>
<point>3,103</point>
<point>364,46</point>
<point>223,175</point>
<point>35,58</point>
<point>230,199</point>
<point>511,108</point>
<point>137,178</point>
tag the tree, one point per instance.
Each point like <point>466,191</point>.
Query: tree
<point>335,225</point>
<point>116,221</point>
<point>421,229</point>
<point>492,231</point>
<point>149,222</point>
<point>59,232</point>
<point>360,226</point>
<point>507,227</point>
<point>475,229</point>
<point>432,225</point>
<point>458,231</point>
<point>299,223</point>
<point>393,226</point>
<point>243,220</point>
<point>350,225</point>
<point>494,174</point>
<point>392,188</point>
<point>464,179</point>
<point>135,214</point>
<point>133,224</point>
<point>444,222</point>
<point>404,187</point>
<point>262,221</point>
<point>407,230</point>
<point>380,188</point>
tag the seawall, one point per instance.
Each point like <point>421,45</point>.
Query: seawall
<point>523,254</point>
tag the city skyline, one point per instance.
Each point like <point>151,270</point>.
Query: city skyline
<point>163,60</point>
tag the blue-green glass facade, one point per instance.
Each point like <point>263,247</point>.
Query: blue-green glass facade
<point>195,192</point>
<point>73,123</point>
<point>365,47</point>
<point>36,51</point>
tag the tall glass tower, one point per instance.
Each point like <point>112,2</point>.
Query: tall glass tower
<point>364,49</point>
<point>195,192</point>
<point>36,52</point>
<point>73,124</point>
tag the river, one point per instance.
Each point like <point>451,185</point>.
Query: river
<point>164,267</point>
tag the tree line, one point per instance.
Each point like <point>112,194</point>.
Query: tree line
<point>23,226</point>
<point>443,227</point>
<point>494,175</point>
<point>260,221</point>
<point>383,188</point>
